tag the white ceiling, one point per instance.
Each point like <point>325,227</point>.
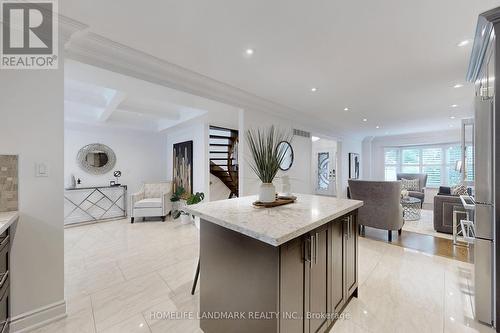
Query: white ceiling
<point>96,96</point>
<point>393,62</point>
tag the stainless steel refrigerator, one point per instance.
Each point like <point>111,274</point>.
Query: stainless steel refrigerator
<point>484,66</point>
<point>484,218</point>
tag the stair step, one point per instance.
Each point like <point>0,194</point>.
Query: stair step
<point>219,152</point>
<point>221,137</point>
<point>221,159</point>
<point>219,144</point>
<point>222,129</point>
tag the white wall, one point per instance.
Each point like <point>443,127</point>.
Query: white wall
<point>140,156</point>
<point>218,190</point>
<point>299,173</point>
<point>31,125</point>
<point>345,147</point>
<point>197,131</point>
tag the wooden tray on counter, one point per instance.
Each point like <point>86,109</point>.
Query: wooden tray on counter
<point>280,201</point>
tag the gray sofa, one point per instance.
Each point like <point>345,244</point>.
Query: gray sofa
<point>444,202</point>
<point>422,177</point>
<point>382,204</point>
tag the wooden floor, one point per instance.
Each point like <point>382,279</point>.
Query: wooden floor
<point>424,243</point>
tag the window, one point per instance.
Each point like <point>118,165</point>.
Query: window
<point>323,170</point>
<point>431,165</point>
<point>439,162</point>
<point>391,163</point>
<point>469,163</point>
<point>453,156</point>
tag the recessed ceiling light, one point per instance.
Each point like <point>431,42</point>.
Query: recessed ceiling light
<point>452,117</point>
<point>314,89</point>
<point>346,109</point>
<point>377,126</point>
<point>458,85</point>
<point>463,43</point>
<point>314,138</point>
<point>364,119</point>
<point>249,52</point>
<point>454,105</point>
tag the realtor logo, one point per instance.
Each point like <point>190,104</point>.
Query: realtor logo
<point>29,35</point>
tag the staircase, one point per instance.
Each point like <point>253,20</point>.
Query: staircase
<point>224,157</point>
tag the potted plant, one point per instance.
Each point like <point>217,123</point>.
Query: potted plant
<point>191,200</point>
<point>267,155</point>
<point>176,197</point>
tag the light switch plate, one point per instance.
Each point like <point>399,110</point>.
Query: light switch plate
<point>41,170</point>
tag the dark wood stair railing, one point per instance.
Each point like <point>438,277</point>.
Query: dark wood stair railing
<point>226,172</point>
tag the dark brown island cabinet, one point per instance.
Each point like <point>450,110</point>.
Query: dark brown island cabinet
<point>318,275</point>
<point>290,269</point>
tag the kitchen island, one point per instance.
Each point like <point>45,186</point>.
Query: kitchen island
<point>288,269</point>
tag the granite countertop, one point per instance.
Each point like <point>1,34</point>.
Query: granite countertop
<point>278,225</point>
<point>6,220</point>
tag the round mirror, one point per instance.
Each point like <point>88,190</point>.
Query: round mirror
<point>287,161</point>
<point>96,159</point>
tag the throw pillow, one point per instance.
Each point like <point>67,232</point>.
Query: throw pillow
<point>460,189</point>
<point>410,184</point>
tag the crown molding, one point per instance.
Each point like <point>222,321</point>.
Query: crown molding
<point>96,50</point>
<point>69,28</point>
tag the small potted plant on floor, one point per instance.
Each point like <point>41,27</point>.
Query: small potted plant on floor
<point>176,198</point>
<point>267,155</point>
<point>192,200</point>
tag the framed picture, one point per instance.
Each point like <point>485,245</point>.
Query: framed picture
<point>354,165</point>
<point>183,166</point>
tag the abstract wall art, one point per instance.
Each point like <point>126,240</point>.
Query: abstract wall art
<point>354,166</point>
<point>183,166</point>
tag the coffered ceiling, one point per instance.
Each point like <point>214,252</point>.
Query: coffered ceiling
<point>100,97</point>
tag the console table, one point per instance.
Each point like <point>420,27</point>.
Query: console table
<point>96,203</point>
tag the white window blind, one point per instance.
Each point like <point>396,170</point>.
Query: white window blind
<point>437,161</point>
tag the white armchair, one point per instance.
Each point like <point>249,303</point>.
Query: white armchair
<point>152,200</point>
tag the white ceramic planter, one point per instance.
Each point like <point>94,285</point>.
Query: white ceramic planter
<point>185,219</point>
<point>267,192</point>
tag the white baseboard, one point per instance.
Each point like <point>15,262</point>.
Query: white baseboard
<point>31,320</point>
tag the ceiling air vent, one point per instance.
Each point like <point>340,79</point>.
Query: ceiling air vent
<point>301,133</point>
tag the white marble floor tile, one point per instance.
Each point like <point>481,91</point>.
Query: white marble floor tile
<point>179,276</point>
<point>118,303</point>
<point>79,318</point>
<point>135,324</point>
<point>91,278</point>
<point>347,326</point>
<point>121,273</point>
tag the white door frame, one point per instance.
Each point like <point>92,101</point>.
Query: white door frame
<point>333,170</point>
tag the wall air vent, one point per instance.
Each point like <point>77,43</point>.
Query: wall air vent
<point>301,133</point>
